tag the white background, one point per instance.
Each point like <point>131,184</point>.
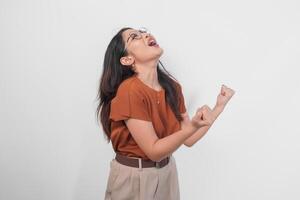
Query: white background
<point>51,58</point>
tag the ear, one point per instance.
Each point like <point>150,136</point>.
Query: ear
<point>126,60</point>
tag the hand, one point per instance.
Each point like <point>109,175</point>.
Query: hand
<point>224,96</point>
<point>203,117</point>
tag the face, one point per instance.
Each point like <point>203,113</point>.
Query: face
<point>141,47</point>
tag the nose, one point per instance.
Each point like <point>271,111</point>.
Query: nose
<point>147,34</point>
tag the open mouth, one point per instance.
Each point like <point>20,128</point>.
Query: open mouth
<point>153,43</point>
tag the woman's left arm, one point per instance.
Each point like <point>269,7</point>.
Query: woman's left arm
<point>222,100</point>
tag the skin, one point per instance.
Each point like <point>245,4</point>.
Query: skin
<point>144,60</point>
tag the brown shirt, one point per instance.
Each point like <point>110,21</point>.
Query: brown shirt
<point>135,99</point>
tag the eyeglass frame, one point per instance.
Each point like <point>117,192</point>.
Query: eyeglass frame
<point>139,31</point>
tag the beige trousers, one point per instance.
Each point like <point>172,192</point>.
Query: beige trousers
<point>130,183</point>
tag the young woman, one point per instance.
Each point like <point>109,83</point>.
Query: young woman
<point>143,114</point>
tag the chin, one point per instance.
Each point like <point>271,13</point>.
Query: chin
<point>155,54</point>
<point>161,51</point>
<point>159,54</point>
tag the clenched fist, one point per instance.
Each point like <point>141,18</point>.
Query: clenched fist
<point>203,117</point>
<point>224,96</point>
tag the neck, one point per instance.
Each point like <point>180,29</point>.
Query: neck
<point>147,72</point>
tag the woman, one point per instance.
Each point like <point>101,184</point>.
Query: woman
<point>143,113</point>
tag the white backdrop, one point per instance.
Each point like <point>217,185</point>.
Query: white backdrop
<point>51,59</point>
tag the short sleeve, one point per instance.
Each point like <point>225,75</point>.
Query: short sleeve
<point>182,107</point>
<point>129,103</point>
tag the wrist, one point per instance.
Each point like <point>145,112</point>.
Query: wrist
<point>191,127</point>
<point>217,110</point>
<point>219,107</point>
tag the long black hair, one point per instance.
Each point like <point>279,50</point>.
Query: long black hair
<point>114,73</point>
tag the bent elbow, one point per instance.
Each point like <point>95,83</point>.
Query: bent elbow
<point>152,154</point>
<point>155,157</point>
<point>158,158</point>
<point>188,144</point>
<point>152,157</point>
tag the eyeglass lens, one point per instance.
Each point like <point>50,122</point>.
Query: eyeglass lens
<point>137,34</point>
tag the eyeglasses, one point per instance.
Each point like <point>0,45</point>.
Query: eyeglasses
<point>137,34</point>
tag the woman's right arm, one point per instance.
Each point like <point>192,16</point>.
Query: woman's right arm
<point>156,149</point>
<point>167,145</point>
